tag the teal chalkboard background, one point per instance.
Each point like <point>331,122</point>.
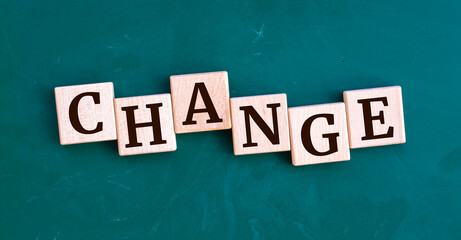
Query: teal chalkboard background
<point>310,50</point>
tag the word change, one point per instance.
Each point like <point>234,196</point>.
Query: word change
<point>260,124</point>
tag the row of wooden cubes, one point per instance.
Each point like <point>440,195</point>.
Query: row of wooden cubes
<point>260,124</point>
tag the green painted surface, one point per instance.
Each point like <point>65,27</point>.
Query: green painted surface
<point>310,50</point>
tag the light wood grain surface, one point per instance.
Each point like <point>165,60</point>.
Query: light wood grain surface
<point>89,113</point>
<point>388,104</point>
<point>319,128</point>
<point>143,115</point>
<point>216,86</point>
<point>259,103</point>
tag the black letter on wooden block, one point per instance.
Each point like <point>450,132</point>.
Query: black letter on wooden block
<point>249,111</point>
<point>155,124</point>
<point>209,107</point>
<point>368,118</point>
<point>306,135</point>
<point>73,113</point>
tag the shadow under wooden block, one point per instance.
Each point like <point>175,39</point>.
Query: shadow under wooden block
<point>260,124</point>
<point>375,117</point>
<point>200,102</point>
<point>85,113</point>
<point>144,124</point>
<point>318,134</point>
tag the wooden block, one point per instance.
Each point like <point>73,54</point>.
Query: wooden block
<point>318,134</point>
<point>375,117</point>
<point>144,124</point>
<point>200,102</point>
<point>260,124</point>
<point>85,113</point>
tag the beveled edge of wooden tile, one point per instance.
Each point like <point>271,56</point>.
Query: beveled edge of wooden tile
<point>254,153</point>
<point>197,74</point>
<point>203,130</point>
<point>150,95</point>
<point>290,129</point>
<point>317,163</point>
<point>83,85</point>
<point>173,149</point>
<point>375,88</point>
<point>319,105</point>
<point>264,95</point>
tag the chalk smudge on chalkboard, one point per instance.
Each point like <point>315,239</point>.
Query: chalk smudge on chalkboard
<point>205,221</point>
<point>121,174</point>
<point>119,219</point>
<point>303,230</point>
<point>9,47</point>
<point>64,180</point>
<point>259,34</point>
<point>253,222</point>
<point>120,185</point>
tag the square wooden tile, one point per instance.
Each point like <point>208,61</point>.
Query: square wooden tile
<point>144,124</point>
<point>85,113</point>
<point>200,102</point>
<point>375,117</point>
<point>318,134</point>
<point>260,124</point>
